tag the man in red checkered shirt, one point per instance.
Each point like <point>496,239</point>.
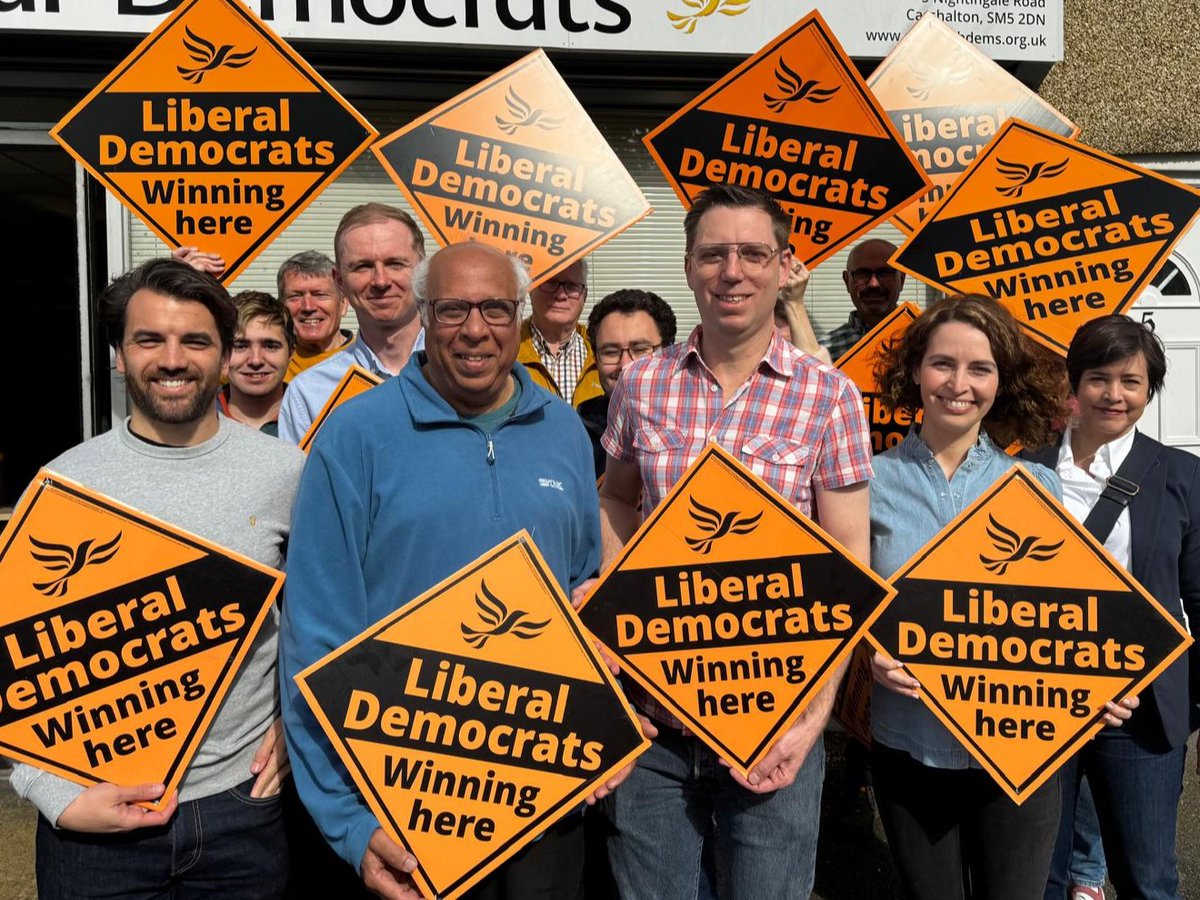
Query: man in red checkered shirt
<point>798,424</point>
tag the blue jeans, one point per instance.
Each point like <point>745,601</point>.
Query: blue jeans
<point>1087,851</point>
<point>1137,791</point>
<point>766,844</point>
<point>227,845</point>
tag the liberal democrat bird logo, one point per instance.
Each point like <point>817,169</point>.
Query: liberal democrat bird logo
<point>1025,175</point>
<point>210,57</point>
<point>499,620</point>
<point>715,525</point>
<point>686,22</point>
<point>70,560</point>
<point>1016,547</point>
<point>523,115</point>
<point>794,87</point>
<point>954,71</point>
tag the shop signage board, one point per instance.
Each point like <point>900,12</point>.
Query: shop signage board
<point>214,132</point>
<point>731,609</point>
<point>475,716</point>
<point>948,99</point>
<point>515,162</point>
<point>1020,626</point>
<point>1056,231</point>
<point>858,364</point>
<point>1026,30</point>
<point>120,636</point>
<point>797,121</point>
<point>357,380</point>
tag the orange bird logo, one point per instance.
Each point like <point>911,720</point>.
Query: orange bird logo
<point>1014,548</point>
<point>499,621</point>
<point>794,87</point>
<point>524,115</point>
<point>702,9</point>
<point>1025,175</point>
<point>210,57</point>
<point>714,525</point>
<point>70,561</point>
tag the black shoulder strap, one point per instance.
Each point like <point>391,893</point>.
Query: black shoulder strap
<point>1121,487</point>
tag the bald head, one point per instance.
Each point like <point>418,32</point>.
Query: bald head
<point>872,282</point>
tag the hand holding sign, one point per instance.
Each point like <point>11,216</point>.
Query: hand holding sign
<point>111,809</point>
<point>387,869</point>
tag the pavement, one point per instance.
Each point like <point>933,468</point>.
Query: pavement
<point>853,862</point>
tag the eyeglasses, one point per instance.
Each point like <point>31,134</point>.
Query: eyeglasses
<point>573,289</point>
<point>497,311</point>
<point>753,254</point>
<point>611,354</point>
<point>883,275</point>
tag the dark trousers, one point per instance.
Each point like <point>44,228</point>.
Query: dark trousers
<point>1136,790</point>
<point>954,834</point>
<point>227,845</point>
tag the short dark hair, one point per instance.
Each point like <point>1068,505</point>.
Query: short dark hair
<point>1110,339</point>
<point>261,305</point>
<point>376,214</point>
<point>733,196</point>
<point>631,300</point>
<point>170,278</point>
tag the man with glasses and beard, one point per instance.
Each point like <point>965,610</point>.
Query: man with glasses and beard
<point>554,346</point>
<point>379,521</point>
<point>874,288</point>
<point>172,328</point>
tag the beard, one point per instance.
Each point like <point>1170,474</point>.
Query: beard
<point>174,410</point>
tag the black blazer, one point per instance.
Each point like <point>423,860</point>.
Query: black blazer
<point>1164,524</point>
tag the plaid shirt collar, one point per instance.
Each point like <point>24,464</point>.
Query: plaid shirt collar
<point>542,346</point>
<point>777,359</point>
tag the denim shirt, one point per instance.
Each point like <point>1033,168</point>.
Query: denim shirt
<point>911,501</point>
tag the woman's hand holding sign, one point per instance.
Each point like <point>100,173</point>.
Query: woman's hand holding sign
<point>109,809</point>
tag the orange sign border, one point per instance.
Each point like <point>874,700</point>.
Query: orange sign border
<point>237,266</point>
<point>1072,146</point>
<point>851,75</point>
<point>536,58</point>
<point>48,480</point>
<point>902,309</point>
<point>714,451</point>
<point>1019,793</point>
<point>355,373</point>
<point>524,542</point>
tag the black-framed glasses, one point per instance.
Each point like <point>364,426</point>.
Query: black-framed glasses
<point>883,275</point>
<point>572,289</point>
<point>495,311</point>
<point>612,354</point>
<point>752,253</point>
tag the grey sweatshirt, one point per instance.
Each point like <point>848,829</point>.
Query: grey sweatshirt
<point>235,490</point>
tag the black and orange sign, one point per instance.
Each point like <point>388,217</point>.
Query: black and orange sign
<point>1057,232</point>
<point>357,380</point>
<point>1019,627</point>
<point>121,635</point>
<point>215,132</point>
<point>798,121</point>
<point>515,162</point>
<point>858,363</point>
<point>475,716</point>
<point>948,100</point>
<point>732,609</point>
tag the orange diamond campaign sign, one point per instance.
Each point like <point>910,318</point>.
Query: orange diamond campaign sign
<point>475,716</point>
<point>121,635</point>
<point>732,609</point>
<point>215,132</point>
<point>948,100</point>
<point>1020,626</point>
<point>1057,232</point>
<point>515,162</point>
<point>798,121</point>
<point>357,380</point>
<point>858,363</point>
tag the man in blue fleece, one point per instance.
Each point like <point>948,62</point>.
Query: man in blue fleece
<point>408,483</point>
